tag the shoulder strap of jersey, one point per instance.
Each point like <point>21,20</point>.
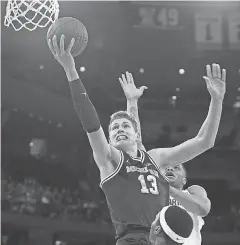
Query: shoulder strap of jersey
<point>119,166</point>
<point>140,158</point>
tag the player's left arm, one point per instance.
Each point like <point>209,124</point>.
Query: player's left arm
<point>206,136</point>
<point>195,201</point>
<point>132,94</point>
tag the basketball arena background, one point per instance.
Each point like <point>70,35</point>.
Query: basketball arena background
<point>50,192</point>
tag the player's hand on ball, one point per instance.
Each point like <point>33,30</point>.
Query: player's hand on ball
<point>216,82</point>
<point>64,57</point>
<point>130,90</point>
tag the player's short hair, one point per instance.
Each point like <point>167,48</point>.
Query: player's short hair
<point>185,174</point>
<point>185,170</point>
<point>123,114</point>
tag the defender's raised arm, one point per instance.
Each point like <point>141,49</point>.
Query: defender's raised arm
<point>205,139</point>
<point>132,94</point>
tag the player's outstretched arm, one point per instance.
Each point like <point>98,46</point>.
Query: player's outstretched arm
<point>205,139</point>
<point>132,95</point>
<point>195,201</point>
<point>86,112</point>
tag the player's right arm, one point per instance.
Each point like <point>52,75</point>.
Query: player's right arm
<point>104,154</point>
<point>195,200</point>
<point>132,94</point>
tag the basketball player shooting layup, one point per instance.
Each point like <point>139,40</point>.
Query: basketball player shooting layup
<point>131,179</point>
<point>194,199</point>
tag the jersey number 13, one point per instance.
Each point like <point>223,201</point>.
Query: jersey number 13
<point>153,182</point>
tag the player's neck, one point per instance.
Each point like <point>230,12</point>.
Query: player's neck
<point>180,188</point>
<point>133,151</point>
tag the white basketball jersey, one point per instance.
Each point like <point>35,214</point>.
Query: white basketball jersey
<point>198,222</point>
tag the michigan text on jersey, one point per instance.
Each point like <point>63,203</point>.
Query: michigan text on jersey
<point>142,170</point>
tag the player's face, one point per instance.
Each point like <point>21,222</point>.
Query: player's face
<point>176,175</point>
<point>122,133</point>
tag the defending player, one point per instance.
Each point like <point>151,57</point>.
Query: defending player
<point>172,226</point>
<point>131,179</point>
<point>194,199</point>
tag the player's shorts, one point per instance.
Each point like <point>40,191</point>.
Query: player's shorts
<point>134,238</point>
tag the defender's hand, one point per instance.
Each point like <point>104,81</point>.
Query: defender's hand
<point>129,88</point>
<point>64,57</point>
<point>216,82</point>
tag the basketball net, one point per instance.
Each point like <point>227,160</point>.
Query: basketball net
<point>30,14</point>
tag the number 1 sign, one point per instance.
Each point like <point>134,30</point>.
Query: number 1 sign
<point>208,31</point>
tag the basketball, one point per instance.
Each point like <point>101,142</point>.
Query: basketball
<point>70,28</point>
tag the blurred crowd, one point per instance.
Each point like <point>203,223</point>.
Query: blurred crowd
<point>31,198</point>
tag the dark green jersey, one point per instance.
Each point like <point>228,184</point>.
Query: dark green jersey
<point>136,191</point>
